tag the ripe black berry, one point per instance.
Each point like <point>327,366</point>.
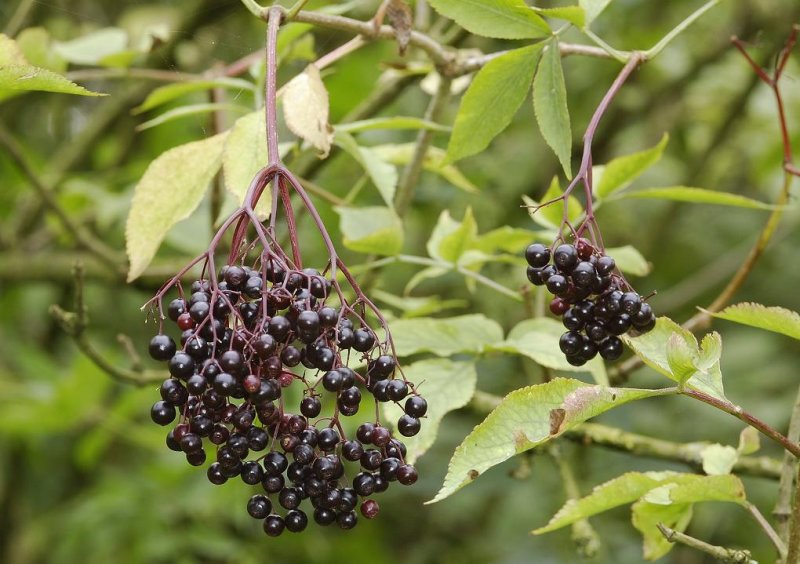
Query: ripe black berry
<point>296,521</point>
<point>274,525</point>
<point>565,257</point>
<point>537,255</point>
<point>416,406</point>
<point>259,506</point>
<point>408,426</point>
<point>162,413</point>
<point>161,347</point>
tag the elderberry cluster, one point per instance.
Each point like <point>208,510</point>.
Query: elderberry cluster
<point>596,305</point>
<point>247,336</point>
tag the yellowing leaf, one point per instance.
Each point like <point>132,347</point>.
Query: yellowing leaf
<point>305,109</point>
<point>528,417</point>
<point>245,153</point>
<point>170,190</point>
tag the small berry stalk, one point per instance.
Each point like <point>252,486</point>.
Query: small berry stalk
<point>263,323</point>
<point>591,295</point>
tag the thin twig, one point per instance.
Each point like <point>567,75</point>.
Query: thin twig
<point>783,506</point>
<point>793,553</point>
<point>721,553</point>
<point>767,528</point>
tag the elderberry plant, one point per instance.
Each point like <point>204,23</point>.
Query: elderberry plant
<point>261,325</point>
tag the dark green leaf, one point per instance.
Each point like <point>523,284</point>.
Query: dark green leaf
<point>550,105</point>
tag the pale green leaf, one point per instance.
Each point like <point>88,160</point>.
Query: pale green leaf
<point>425,274</point>
<point>697,196</point>
<point>551,215</point>
<point>190,110</point>
<point>509,239</point>
<point>35,44</point>
<point>718,459</point>
<point>17,75</point>
<point>170,190</point>
<point>572,14</point>
<point>170,92</point>
<point>417,307</point>
<point>652,349</point>
<point>382,173</point>
<point>450,238</point>
<point>305,109</point>
<point>593,8</point>
<point>749,441</point>
<point>434,161</point>
<point>776,319</point>
<point>394,122</point>
<point>491,101</point>
<point>373,229</point>
<point>447,336</point>
<point>622,171</point>
<point>550,106</point>
<point>538,338</point>
<point>92,48</point>
<point>672,505</point>
<point>622,490</point>
<point>681,358</point>
<point>526,418</point>
<point>502,19</point>
<point>447,385</point>
<point>629,260</point>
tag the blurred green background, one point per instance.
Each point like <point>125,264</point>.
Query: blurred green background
<point>84,474</point>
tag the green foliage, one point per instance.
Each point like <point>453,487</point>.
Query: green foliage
<point>492,99</point>
<point>373,229</point>
<point>503,19</point>
<point>170,190</point>
<point>776,319</point>
<point>550,104</point>
<point>674,352</point>
<point>171,92</point>
<point>245,153</point>
<point>593,8</point>
<point>445,337</point>
<point>698,196</point>
<point>383,175</point>
<point>529,417</point>
<point>619,173</point>
<point>18,75</point>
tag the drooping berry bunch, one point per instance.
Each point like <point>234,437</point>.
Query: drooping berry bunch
<point>595,303</point>
<point>263,329</point>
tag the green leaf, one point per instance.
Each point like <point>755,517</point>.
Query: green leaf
<point>445,337</point>
<point>619,173</point>
<point>652,348</point>
<point>622,490</point>
<point>450,238</point>
<point>698,196</point>
<point>417,307</point>
<point>447,385</point>
<point>592,9</point>
<point>170,92</point>
<point>629,260</point>
<point>502,19</point>
<point>572,14</point>
<point>434,161</point>
<point>373,229</point>
<point>749,441</point>
<point>382,173</point>
<point>190,110</point>
<point>170,190</point>
<point>244,155</point>
<point>92,48</point>
<point>681,358</point>
<point>550,106</point>
<point>718,459</point>
<point>491,101</point>
<point>776,319</point>
<point>35,44</point>
<point>538,338</point>
<point>394,122</point>
<point>671,504</point>
<point>528,417</point>
<point>17,75</point>
<point>508,239</point>
<point>551,215</point>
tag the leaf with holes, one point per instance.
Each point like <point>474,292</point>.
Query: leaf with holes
<point>170,190</point>
<point>529,417</point>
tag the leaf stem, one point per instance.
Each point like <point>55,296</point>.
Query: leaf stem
<point>274,16</point>
<point>721,553</point>
<point>752,420</point>
<point>680,28</point>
